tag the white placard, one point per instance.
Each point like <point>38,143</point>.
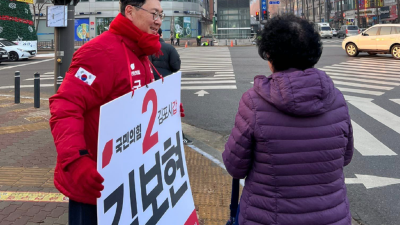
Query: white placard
<point>141,157</point>
<point>57,16</point>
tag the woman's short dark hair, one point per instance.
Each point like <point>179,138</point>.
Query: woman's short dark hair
<point>290,42</point>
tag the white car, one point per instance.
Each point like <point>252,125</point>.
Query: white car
<point>334,32</point>
<point>325,32</point>
<point>378,39</point>
<point>15,51</point>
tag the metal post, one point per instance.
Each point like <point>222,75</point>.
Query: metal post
<point>358,13</point>
<point>59,81</point>
<point>17,90</point>
<point>36,90</point>
<point>64,45</point>
<point>376,11</point>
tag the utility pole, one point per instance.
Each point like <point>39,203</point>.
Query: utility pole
<point>64,43</point>
<point>341,13</point>
<point>358,12</point>
<point>313,10</point>
<point>376,11</point>
<point>398,11</point>
<point>319,10</point>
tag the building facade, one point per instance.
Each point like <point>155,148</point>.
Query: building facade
<point>189,18</point>
<point>233,19</point>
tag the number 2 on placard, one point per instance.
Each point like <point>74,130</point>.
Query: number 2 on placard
<point>150,140</point>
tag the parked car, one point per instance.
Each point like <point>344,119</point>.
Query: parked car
<point>334,32</point>
<point>15,51</point>
<point>325,32</point>
<point>3,55</point>
<point>379,39</point>
<point>348,31</point>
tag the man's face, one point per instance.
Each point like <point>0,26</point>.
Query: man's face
<point>143,19</point>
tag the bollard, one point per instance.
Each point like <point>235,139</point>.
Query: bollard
<point>17,87</point>
<point>59,81</point>
<point>235,41</point>
<point>226,42</point>
<point>36,90</point>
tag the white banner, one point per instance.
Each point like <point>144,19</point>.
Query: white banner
<point>141,157</point>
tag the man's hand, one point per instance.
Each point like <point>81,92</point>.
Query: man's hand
<point>85,176</point>
<point>182,110</point>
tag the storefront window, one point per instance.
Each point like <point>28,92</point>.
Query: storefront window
<point>102,24</point>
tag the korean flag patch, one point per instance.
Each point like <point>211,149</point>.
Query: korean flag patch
<point>85,76</point>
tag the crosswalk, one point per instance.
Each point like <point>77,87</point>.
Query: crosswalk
<point>215,62</point>
<point>332,41</point>
<point>361,81</point>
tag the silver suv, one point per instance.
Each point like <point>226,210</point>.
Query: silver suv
<point>348,30</point>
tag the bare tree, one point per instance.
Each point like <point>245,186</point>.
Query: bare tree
<point>38,6</point>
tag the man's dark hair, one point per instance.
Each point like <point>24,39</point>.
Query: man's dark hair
<point>290,42</point>
<point>124,3</point>
<point>159,31</point>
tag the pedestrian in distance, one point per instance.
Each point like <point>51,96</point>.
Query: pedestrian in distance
<point>167,63</point>
<point>177,39</point>
<point>292,135</point>
<point>105,68</point>
<point>198,39</point>
<point>172,38</point>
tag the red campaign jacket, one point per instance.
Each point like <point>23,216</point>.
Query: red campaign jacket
<point>75,108</point>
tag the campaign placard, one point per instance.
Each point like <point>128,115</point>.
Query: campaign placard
<point>141,157</point>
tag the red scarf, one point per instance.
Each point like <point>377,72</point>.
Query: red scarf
<point>148,43</point>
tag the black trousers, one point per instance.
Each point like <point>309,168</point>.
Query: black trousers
<point>172,41</point>
<point>177,42</point>
<point>82,214</point>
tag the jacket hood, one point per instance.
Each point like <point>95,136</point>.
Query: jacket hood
<point>303,93</point>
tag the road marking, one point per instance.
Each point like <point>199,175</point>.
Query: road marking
<point>353,90</point>
<point>396,101</point>
<point>201,93</point>
<point>376,59</point>
<point>385,68</point>
<point>210,82</point>
<point>378,113</point>
<point>367,144</point>
<point>26,86</point>
<point>224,76</point>
<point>26,64</point>
<point>365,76</point>
<point>222,72</point>
<point>370,181</point>
<point>42,78</point>
<point>353,69</point>
<point>363,85</point>
<point>365,80</point>
<point>208,87</point>
<point>361,63</point>
<point>32,197</point>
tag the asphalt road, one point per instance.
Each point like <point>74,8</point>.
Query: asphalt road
<point>370,84</point>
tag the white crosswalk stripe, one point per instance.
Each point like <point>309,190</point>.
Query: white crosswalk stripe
<point>216,61</point>
<point>361,80</point>
<point>365,76</point>
<point>365,142</point>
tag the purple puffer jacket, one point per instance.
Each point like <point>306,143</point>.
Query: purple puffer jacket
<point>291,140</point>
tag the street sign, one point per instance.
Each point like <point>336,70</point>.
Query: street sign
<point>274,2</point>
<point>264,7</point>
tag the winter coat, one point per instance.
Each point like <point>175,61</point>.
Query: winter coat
<point>75,108</point>
<point>291,139</point>
<point>168,63</point>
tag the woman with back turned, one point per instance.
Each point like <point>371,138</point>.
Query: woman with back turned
<point>292,135</point>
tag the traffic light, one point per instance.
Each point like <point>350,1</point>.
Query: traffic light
<point>265,14</point>
<point>257,16</point>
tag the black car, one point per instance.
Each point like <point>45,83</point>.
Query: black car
<point>3,55</point>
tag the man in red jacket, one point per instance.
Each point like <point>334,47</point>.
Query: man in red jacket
<point>105,68</point>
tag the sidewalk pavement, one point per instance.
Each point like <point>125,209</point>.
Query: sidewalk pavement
<point>27,160</point>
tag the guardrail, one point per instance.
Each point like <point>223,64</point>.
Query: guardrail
<point>49,45</point>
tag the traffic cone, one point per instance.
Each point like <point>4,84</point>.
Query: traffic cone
<point>186,45</point>
<point>231,43</point>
